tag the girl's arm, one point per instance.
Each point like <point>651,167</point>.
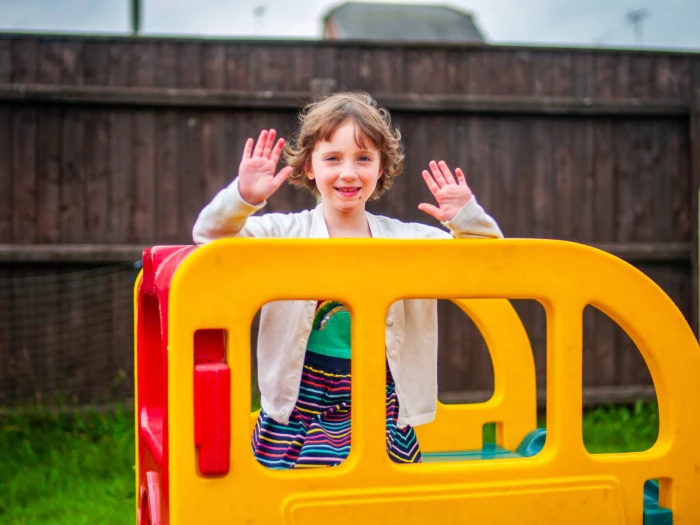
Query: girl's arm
<point>228,214</point>
<point>458,209</point>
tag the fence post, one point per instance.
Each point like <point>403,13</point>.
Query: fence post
<point>695,189</point>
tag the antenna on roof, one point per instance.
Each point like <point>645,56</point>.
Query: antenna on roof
<point>635,18</point>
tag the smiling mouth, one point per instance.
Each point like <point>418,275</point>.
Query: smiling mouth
<point>348,191</point>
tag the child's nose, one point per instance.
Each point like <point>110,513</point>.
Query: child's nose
<point>348,173</point>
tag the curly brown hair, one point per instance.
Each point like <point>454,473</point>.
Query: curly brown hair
<point>320,119</point>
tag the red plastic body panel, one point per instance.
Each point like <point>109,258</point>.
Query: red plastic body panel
<point>159,266</point>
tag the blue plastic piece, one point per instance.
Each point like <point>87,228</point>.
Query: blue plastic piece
<point>489,451</point>
<point>533,443</point>
<point>651,492</point>
<point>653,514</point>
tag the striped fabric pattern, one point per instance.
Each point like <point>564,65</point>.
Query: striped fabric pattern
<point>324,312</point>
<point>318,433</point>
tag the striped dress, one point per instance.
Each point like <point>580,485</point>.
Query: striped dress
<point>318,432</point>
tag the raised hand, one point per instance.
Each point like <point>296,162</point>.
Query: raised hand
<point>450,194</point>
<point>256,172</point>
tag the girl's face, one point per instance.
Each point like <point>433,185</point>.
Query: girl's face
<point>346,173</point>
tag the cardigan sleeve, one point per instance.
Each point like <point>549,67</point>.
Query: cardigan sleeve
<point>472,221</point>
<point>229,215</point>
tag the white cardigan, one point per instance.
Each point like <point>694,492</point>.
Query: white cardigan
<point>411,325</point>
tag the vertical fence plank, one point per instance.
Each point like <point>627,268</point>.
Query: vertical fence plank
<point>24,60</point>
<point>190,179</point>
<point>120,166</point>
<point>213,168</point>
<point>120,183</point>
<point>24,57</point>
<point>6,182</point>
<point>695,188</point>
<point>96,147</point>
<point>72,216</point>
<point>47,198</point>
<point>167,205</point>
<point>141,222</point>
<point>7,380</point>
<point>48,188</point>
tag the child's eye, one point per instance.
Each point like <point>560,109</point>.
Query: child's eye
<point>365,158</point>
<point>332,157</point>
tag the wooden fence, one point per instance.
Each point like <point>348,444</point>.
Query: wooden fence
<point>108,145</point>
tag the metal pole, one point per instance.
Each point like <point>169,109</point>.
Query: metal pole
<point>135,16</point>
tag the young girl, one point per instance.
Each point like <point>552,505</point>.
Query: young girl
<point>347,152</point>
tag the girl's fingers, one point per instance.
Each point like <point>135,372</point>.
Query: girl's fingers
<point>269,142</point>
<point>460,176</point>
<point>432,185</point>
<point>439,177</point>
<point>446,172</point>
<point>257,152</point>
<point>277,151</point>
<point>247,149</point>
<point>430,210</point>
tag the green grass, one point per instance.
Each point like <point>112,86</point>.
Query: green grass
<point>621,429</point>
<point>78,469</point>
<point>67,469</point>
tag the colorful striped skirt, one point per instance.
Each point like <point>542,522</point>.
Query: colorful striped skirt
<point>318,433</point>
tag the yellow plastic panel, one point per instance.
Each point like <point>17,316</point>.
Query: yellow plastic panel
<point>223,285</point>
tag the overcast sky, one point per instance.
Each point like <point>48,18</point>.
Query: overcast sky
<point>670,23</point>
